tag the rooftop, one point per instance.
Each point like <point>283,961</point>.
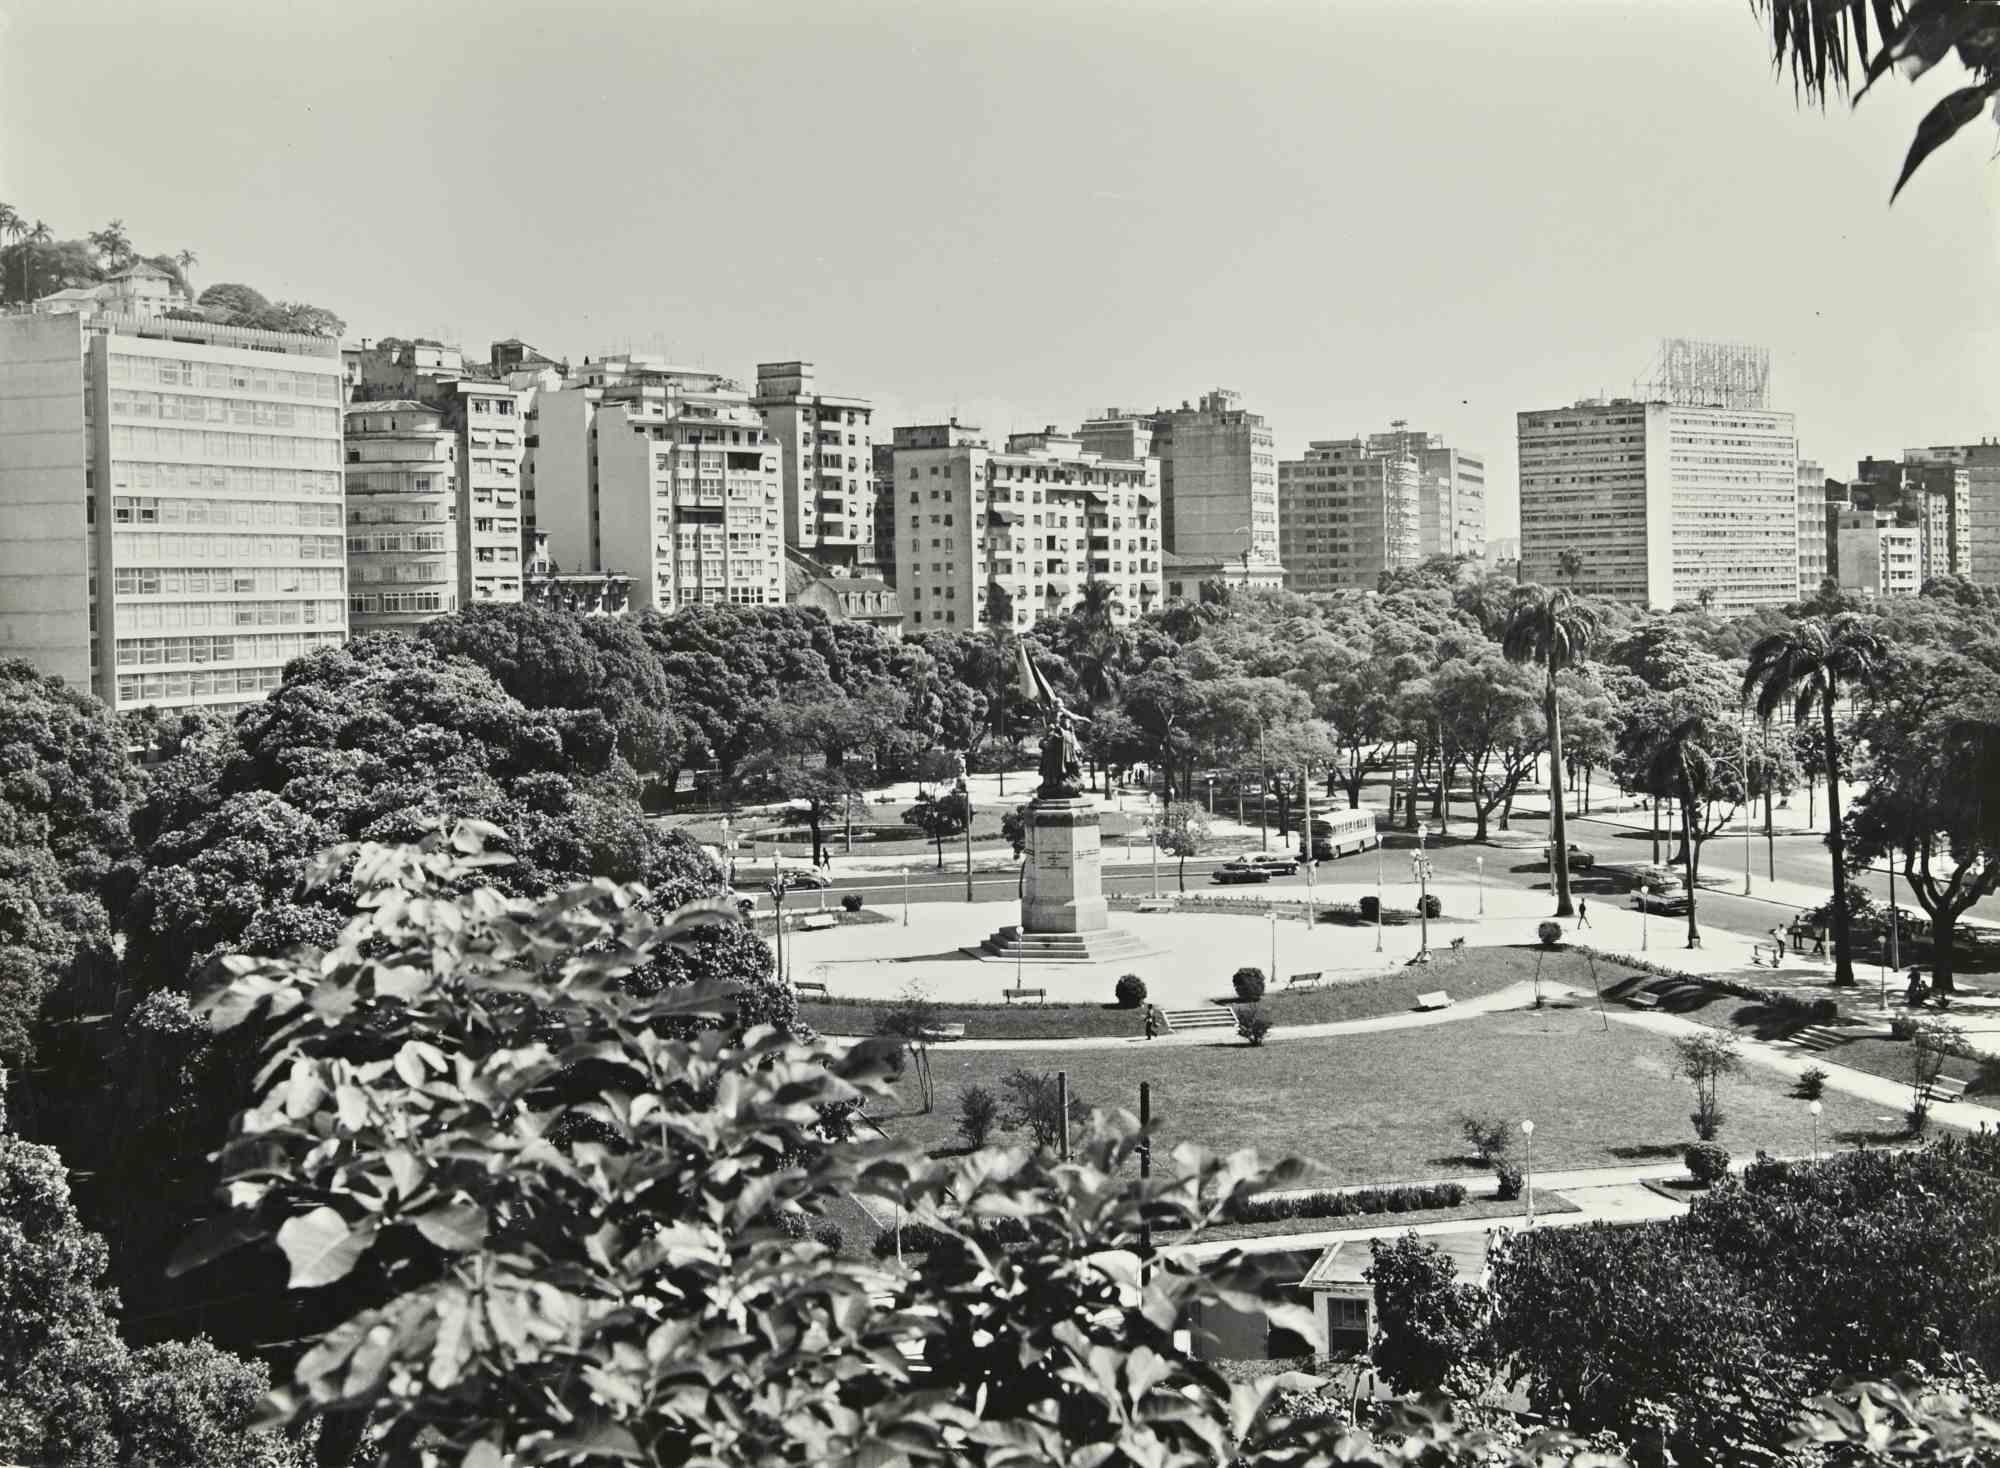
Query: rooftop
<point>1347,1262</point>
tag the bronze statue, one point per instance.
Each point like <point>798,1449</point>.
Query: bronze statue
<point>1062,762</point>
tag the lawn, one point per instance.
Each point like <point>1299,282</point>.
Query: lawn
<point>1379,1106</point>
<point>1891,1060</point>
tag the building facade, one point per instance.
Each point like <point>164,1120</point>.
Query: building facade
<point>827,448</point>
<point>1968,478</point>
<point>402,515</point>
<point>1005,537</point>
<point>1877,558</point>
<point>663,474</point>
<point>171,496</point>
<point>882,507</point>
<point>1451,491</point>
<point>1661,503</point>
<point>1218,477</point>
<point>1347,512</point>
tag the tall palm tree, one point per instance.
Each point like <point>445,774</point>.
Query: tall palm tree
<point>39,234</point>
<point>1556,629</point>
<point>1686,767</point>
<point>187,260</point>
<point>1805,665</point>
<point>14,227</point>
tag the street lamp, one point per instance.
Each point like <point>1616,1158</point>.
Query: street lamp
<point>1479,862</point>
<point>1378,894</point>
<point>965,794</point>
<point>1420,867</point>
<point>1211,795</point>
<point>778,886</point>
<point>1813,1112</point>
<point>1273,914</point>
<point>1528,1131</point>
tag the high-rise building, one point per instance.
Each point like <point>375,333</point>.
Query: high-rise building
<point>1451,491</point>
<point>1347,512</point>
<point>665,474</point>
<point>1954,479</point>
<point>1875,556</point>
<point>882,508</point>
<point>170,505</point>
<point>1218,479</point>
<point>828,464</point>
<point>1007,537</point>
<point>402,515</point>
<point>1812,527</point>
<point>1661,502</point>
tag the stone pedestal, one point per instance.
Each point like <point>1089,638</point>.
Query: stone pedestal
<point>1062,890</point>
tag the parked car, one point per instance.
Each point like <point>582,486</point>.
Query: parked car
<point>1240,871</point>
<point>1278,864</point>
<point>1670,901</point>
<point>1579,859</point>
<point>800,878</point>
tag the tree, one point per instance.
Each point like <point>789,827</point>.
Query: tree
<point>1555,629</point>
<point>1486,715</point>
<point>113,245</point>
<point>1805,666</point>
<point>938,815</point>
<point>1932,1042</point>
<point>1826,44</point>
<point>1703,1060</point>
<point>1430,1327</point>
<point>1181,831</point>
<point>305,319</point>
<point>186,260</point>
<point>910,1023</point>
<point>233,304</point>
<point>1034,1105</point>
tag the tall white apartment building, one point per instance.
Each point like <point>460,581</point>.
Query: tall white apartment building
<point>402,515</point>
<point>170,505</point>
<point>828,464</point>
<point>1877,557</point>
<point>1218,481</point>
<point>1004,538</point>
<point>1963,486</point>
<point>663,474</point>
<point>1347,512</point>
<point>1662,502</point>
<point>1451,491</point>
<point>489,421</point>
<point>1812,527</point>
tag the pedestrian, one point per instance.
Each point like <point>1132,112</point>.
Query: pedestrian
<point>1152,1022</point>
<point>1582,912</point>
<point>1913,996</point>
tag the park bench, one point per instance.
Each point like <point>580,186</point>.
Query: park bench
<point>809,986</point>
<point>1775,948</point>
<point>1640,999</point>
<point>1436,999</point>
<point>944,1032</point>
<point>1157,904</point>
<point>1947,1088</point>
<point>1040,996</point>
<point>813,922</point>
<point>1305,981</point>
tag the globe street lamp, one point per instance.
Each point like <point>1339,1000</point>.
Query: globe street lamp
<point>965,795</point>
<point>1420,867</point>
<point>1813,1112</point>
<point>778,886</point>
<point>1528,1131</point>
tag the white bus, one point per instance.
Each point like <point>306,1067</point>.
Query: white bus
<point>1342,832</point>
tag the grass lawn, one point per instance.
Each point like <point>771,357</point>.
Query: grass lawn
<point>1891,1060</point>
<point>1379,1106</point>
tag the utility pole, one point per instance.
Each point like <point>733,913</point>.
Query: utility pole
<point>1062,1110</point>
<point>1145,1172</point>
<point>1306,784</point>
<point>1263,791</point>
<point>1743,726</point>
<point>965,786</point>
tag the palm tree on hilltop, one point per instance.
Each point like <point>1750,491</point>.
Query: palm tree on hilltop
<point>1556,629</point>
<point>1805,665</point>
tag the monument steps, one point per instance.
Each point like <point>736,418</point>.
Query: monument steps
<point>1106,945</point>
<point>1207,1017</point>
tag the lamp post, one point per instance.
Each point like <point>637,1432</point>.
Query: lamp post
<point>778,886</point>
<point>965,792</point>
<point>1479,863</point>
<point>1813,1112</point>
<point>1420,866</point>
<point>1273,915</point>
<point>1528,1131</point>
<point>1211,794</point>
<point>1743,726</point>
<point>1378,896</point>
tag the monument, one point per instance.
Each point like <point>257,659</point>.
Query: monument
<point>1063,914</point>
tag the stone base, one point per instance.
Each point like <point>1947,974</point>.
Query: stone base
<point>1107,945</point>
<point>1062,890</point>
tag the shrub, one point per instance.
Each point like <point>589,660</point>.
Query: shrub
<point>1035,1105</point>
<point>978,1114</point>
<point>1707,1162</point>
<point>1486,1135</point>
<point>1249,984</point>
<point>1330,1203</point>
<point>1811,1084</point>
<point>1550,933</point>
<point>1371,908</point>
<point>851,901</point>
<point>1430,1323</point>
<point>1431,906</point>
<point>1130,991</point>
<point>831,1234</point>
<point>1704,1060</point>
<point>1252,1023</point>
<point>1509,1177</point>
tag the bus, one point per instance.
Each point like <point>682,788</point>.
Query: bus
<point>1338,834</point>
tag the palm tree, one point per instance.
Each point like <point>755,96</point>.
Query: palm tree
<point>1686,767</point>
<point>1569,563</point>
<point>1555,629</point>
<point>187,260</point>
<point>1805,665</point>
<point>14,227</point>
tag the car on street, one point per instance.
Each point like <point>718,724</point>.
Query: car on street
<point>803,879</point>
<point>1240,871</point>
<point>1579,859</point>
<point>1671,901</point>
<point>1276,863</point>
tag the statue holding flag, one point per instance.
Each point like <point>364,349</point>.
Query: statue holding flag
<point>1062,760</point>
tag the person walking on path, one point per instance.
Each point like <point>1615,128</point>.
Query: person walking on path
<point>1582,912</point>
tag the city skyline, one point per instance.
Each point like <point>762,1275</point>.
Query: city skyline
<point>992,221</point>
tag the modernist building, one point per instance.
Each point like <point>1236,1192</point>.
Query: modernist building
<point>1007,537</point>
<point>402,515</point>
<point>882,508</point>
<point>1218,477</point>
<point>1451,492</point>
<point>1874,556</point>
<point>1662,502</point>
<point>1812,527</point>
<point>828,464</point>
<point>664,474</point>
<point>1347,512</point>
<point>171,498</point>
<point>1954,490</point>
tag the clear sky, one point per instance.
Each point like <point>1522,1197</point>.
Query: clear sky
<point>1445,212</point>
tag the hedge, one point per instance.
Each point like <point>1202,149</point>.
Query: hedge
<point>1331,1203</point>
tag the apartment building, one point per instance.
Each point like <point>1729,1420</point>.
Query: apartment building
<point>1005,537</point>
<point>1812,527</point>
<point>1218,478</point>
<point>1451,492</point>
<point>1876,557</point>
<point>827,464</point>
<point>402,515</point>
<point>882,508</point>
<point>1661,502</point>
<point>664,474</point>
<point>1348,511</point>
<point>171,497</point>
<point>1964,484</point>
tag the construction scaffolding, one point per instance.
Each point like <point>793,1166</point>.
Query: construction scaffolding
<point>1701,374</point>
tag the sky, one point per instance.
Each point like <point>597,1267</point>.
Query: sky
<point>1027,214</point>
